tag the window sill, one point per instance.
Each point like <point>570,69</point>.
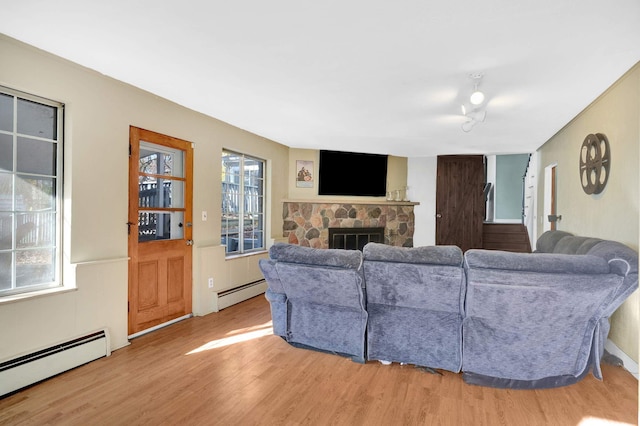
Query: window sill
<point>35,294</point>
<point>240,255</point>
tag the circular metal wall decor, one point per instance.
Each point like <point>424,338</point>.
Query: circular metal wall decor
<point>595,163</point>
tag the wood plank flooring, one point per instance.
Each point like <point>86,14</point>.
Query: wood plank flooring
<point>228,369</point>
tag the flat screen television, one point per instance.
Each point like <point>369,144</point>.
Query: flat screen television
<point>352,173</point>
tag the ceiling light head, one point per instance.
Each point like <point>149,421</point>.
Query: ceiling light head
<point>477,97</point>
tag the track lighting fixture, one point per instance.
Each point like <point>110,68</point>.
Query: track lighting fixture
<point>477,97</point>
<point>474,113</point>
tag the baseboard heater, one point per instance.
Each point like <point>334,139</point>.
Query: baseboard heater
<point>32,368</point>
<point>238,294</point>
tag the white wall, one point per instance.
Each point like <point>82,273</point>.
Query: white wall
<point>421,179</point>
<point>98,113</point>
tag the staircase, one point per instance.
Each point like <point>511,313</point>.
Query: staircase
<point>506,236</point>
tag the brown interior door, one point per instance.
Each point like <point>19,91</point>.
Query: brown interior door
<point>160,231</point>
<point>460,206</point>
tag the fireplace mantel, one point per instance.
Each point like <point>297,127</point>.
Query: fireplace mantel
<point>371,202</point>
<point>307,222</point>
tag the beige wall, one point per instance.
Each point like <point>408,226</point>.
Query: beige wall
<point>98,113</point>
<point>396,177</point>
<point>612,214</point>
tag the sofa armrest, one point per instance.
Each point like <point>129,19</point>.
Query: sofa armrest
<point>535,262</point>
<point>268,269</point>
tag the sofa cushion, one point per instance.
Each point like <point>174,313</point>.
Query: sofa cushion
<point>575,245</point>
<point>433,255</point>
<point>541,262</point>
<point>290,253</point>
<point>548,240</point>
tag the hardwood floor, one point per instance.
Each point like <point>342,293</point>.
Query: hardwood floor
<point>227,369</point>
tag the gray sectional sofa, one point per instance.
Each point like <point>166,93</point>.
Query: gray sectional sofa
<point>512,320</point>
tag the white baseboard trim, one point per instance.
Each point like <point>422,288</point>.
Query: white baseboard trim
<point>159,326</point>
<point>630,365</point>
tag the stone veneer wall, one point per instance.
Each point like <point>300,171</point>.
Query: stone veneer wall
<point>307,223</point>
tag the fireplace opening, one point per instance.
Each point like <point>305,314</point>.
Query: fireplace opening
<point>354,238</point>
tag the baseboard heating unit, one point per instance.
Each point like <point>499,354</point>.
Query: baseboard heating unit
<point>241,293</point>
<point>32,368</point>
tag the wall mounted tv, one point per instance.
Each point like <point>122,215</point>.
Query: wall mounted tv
<point>352,173</point>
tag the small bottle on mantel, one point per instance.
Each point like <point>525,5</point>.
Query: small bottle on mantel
<point>398,197</point>
<point>406,194</point>
<point>389,196</point>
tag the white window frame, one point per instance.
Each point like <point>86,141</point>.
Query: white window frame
<point>241,206</point>
<point>57,242</point>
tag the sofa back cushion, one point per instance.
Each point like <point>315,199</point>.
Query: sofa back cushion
<point>548,240</point>
<point>419,277</point>
<point>432,255</point>
<point>290,253</point>
<point>330,277</point>
<point>575,245</point>
<point>539,262</point>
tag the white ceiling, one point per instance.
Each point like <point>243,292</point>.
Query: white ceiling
<point>353,75</point>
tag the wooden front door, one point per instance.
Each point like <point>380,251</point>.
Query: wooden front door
<point>160,231</point>
<point>460,205</point>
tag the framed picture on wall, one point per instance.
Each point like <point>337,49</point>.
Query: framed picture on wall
<point>304,174</point>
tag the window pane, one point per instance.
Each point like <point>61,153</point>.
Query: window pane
<point>6,228</point>
<point>35,194</point>
<point>170,193</point>
<point>35,119</point>
<point>35,230</point>
<point>36,157</point>
<point>160,226</point>
<point>5,270</point>
<point>6,112</point>
<point>34,267</point>
<point>158,161</point>
<point>6,192</point>
<point>6,152</point>
<point>253,204</point>
<point>231,168</point>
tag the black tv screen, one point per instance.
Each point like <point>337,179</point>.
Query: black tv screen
<point>352,173</point>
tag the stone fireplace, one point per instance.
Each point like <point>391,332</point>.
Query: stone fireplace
<point>307,222</point>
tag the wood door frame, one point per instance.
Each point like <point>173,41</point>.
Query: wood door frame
<point>550,196</point>
<point>138,134</point>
